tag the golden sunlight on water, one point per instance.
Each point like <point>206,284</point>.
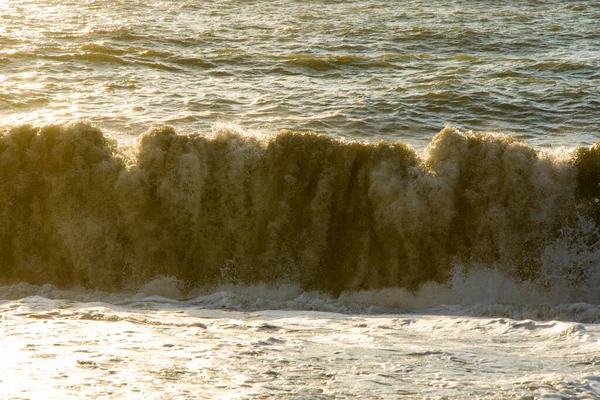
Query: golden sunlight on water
<point>154,350</point>
<point>367,71</point>
<point>327,216</point>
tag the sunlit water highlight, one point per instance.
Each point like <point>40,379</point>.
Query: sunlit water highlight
<point>236,257</point>
<point>160,349</point>
<point>370,69</point>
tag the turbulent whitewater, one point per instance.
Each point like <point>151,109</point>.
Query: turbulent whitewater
<point>297,199</point>
<point>294,208</point>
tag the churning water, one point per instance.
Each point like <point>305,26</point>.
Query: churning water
<point>329,161</point>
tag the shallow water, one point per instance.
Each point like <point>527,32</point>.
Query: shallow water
<point>158,349</point>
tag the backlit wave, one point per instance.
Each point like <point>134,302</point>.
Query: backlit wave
<point>294,208</point>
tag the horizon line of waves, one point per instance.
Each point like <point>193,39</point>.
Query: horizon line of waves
<point>297,207</point>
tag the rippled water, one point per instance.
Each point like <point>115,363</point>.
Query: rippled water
<point>470,270</point>
<point>360,69</point>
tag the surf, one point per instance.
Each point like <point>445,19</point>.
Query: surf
<point>292,208</point>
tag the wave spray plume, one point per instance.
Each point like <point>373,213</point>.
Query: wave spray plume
<point>299,208</point>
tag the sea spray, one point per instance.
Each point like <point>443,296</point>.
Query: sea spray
<point>295,208</point>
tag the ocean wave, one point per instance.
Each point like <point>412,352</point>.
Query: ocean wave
<point>295,208</point>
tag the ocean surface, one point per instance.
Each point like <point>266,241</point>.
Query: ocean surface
<point>362,70</point>
<point>299,199</point>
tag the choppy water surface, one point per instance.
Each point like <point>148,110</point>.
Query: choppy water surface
<point>468,270</point>
<point>153,349</point>
<point>360,69</point>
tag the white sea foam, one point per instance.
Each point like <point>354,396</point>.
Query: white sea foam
<point>155,348</point>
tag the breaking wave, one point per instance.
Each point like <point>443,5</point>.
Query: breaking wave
<point>300,209</point>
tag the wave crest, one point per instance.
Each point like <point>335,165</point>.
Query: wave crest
<point>299,208</point>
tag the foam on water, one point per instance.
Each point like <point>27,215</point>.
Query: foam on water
<point>297,265</point>
<point>155,348</point>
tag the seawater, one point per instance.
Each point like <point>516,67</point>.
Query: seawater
<point>361,70</point>
<point>300,208</point>
<point>299,199</point>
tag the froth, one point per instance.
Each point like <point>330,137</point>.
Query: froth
<point>297,208</point>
